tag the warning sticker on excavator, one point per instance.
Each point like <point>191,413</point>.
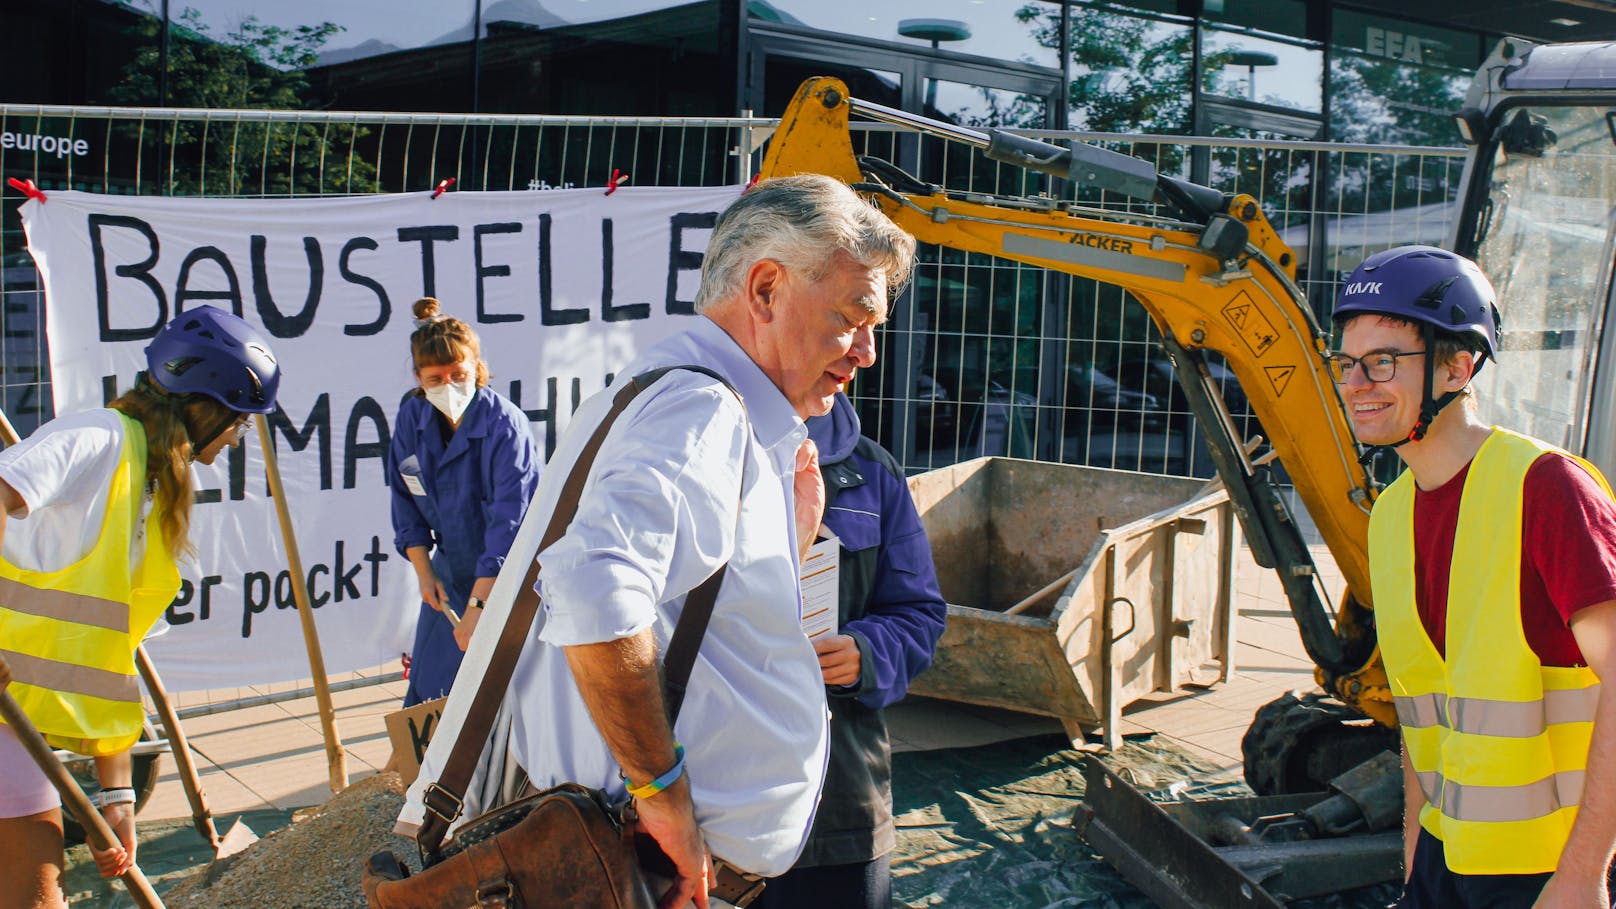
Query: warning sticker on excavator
<point>1279,377</point>
<point>1250,324</point>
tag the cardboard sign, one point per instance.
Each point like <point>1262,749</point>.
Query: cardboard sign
<point>410,731</point>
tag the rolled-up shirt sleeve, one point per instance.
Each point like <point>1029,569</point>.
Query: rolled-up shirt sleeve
<point>657,517</point>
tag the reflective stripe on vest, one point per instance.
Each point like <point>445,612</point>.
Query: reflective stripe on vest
<point>1511,719</point>
<point>1503,804</point>
<point>70,635</point>
<point>97,683</point>
<point>79,608</point>
<point>1498,741</point>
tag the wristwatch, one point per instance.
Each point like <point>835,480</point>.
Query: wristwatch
<point>473,603</point>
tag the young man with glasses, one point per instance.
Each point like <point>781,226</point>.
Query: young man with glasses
<point>1493,567</point>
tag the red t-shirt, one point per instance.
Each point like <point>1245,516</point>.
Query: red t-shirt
<point>1568,554</point>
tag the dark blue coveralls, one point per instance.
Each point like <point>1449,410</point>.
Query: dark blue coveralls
<point>474,487</point>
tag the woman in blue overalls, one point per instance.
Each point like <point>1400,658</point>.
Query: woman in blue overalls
<point>462,467</point>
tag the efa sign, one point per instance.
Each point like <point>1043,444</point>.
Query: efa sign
<point>1383,42</point>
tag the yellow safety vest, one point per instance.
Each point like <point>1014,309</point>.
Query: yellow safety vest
<point>1498,740</point>
<point>70,635</point>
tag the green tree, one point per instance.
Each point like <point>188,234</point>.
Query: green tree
<point>1130,74</point>
<point>252,66</point>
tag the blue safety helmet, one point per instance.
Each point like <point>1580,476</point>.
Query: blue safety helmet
<point>208,351</point>
<point>1439,291</point>
<point>1427,286</point>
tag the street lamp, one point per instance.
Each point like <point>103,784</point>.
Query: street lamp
<point>936,31</point>
<point>1251,59</point>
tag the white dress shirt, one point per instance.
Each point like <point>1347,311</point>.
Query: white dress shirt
<point>685,480</point>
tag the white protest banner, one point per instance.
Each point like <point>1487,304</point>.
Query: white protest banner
<point>563,286</point>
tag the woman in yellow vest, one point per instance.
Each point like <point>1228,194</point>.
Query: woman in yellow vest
<point>100,507</point>
<point>1493,566</point>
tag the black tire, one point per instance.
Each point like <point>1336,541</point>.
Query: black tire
<point>147,768</point>
<point>1299,742</point>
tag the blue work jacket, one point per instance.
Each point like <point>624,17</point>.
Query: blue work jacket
<point>463,499</point>
<point>891,605</point>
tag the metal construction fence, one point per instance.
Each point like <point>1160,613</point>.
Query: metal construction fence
<point>984,356</point>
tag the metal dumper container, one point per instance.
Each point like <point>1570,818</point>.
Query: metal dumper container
<point>1074,591</point>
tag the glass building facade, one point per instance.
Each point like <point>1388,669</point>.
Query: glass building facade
<point>1284,68</point>
<point>983,356</point>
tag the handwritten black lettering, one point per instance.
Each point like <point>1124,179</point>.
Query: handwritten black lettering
<point>681,259</point>
<point>140,271</point>
<point>426,236</point>
<point>183,292</point>
<point>385,307</point>
<point>548,314</point>
<point>277,323</point>
<point>609,312</point>
<point>483,272</point>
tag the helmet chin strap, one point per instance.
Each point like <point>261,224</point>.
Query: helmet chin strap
<point>199,446</point>
<point>1430,406</point>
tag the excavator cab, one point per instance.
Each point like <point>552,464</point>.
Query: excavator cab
<point>1537,211</point>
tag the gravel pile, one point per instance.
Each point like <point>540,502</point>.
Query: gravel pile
<point>313,864</point>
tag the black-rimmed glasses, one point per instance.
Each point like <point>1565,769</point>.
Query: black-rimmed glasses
<point>1380,366</point>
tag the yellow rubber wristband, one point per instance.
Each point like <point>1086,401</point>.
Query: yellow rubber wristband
<point>662,782</point>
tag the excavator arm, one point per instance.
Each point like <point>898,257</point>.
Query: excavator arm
<point>1216,277</point>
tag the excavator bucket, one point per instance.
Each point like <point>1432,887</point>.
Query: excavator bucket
<point>1099,586</point>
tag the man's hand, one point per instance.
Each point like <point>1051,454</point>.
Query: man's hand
<point>809,492</point>
<point>117,861</point>
<point>468,624</point>
<point>839,659</point>
<point>669,817</point>
<point>1563,891</point>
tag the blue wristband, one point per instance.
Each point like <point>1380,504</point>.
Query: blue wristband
<point>665,780</point>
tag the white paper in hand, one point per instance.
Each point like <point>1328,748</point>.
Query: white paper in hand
<point>821,587</point>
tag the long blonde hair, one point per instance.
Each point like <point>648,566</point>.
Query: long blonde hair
<point>169,422</point>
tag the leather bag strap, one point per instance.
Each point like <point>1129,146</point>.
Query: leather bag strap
<point>444,798</point>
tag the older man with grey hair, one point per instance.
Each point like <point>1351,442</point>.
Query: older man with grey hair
<point>798,274</point>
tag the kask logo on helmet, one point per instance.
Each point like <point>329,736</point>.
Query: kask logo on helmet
<point>1362,287</point>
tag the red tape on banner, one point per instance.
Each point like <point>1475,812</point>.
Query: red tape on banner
<point>27,188</point>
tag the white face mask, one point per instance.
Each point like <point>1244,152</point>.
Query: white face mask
<point>452,398</point>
